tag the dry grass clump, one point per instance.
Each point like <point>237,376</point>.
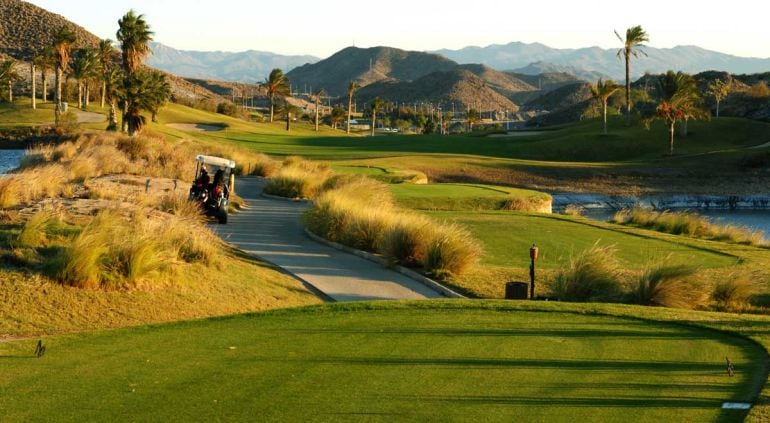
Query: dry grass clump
<point>688,223</point>
<point>735,292</point>
<point>298,179</point>
<point>258,165</point>
<point>529,204</point>
<point>573,210</point>
<point>404,241</point>
<point>591,276</point>
<point>669,286</point>
<point>360,212</point>
<point>181,206</point>
<point>451,251</point>
<point>113,252</point>
<point>39,228</point>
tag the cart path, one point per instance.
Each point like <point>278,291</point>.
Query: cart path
<point>272,230</point>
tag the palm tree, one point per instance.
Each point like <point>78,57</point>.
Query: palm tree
<point>352,87</point>
<point>276,84</point>
<point>336,117</point>
<point>44,62</point>
<point>473,118</point>
<point>113,91</point>
<point>106,52</point>
<point>83,70</point>
<point>9,75</point>
<point>718,89</point>
<point>134,36</point>
<point>377,104</point>
<point>635,36</point>
<point>679,100</point>
<point>602,92</point>
<point>317,94</point>
<point>62,43</point>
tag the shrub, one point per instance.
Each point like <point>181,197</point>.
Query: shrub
<point>573,210</point>
<point>451,251</point>
<point>405,240</point>
<point>687,223</point>
<point>365,227</point>
<point>36,229</point>
<point>259,165</point>
<point>298,179</point>
<point>592,276</point>
<point>10,192</point>
<point>669,286</point>
<point>734,293</point>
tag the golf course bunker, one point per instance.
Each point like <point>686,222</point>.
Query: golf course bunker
<point>434,361</point>
<point>196,127</point>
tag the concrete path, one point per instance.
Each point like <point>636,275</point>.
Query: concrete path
<point>272,230</point>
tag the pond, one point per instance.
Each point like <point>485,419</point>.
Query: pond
<point>10,159</point>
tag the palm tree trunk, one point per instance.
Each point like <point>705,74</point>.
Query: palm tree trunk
<point>272,107</point>
<point>113,124</point>
<point>87,93</point>
<point>104,92</point>
<point>288,120</point>
<point>10,90</point>
<point>316,114</point>
<point>717,108</point>
<point>374,121</point>
<point>45,86</point>
<point>350,110</point>
<point>80,95</point>
<point>124,121</point>
<point>671,137</point>
<point>34,86</point>
<point>57,96</point>
<point>628,87</point>
<point>604,112</point>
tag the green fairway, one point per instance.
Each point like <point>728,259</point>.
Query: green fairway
<point>425,361</point>
<point>463,196</point>
<point>507,237</point>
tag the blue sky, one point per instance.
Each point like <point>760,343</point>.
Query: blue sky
<point>321,27</point>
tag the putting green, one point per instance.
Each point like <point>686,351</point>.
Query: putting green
<point>417,362</point>
<point>467,197</point>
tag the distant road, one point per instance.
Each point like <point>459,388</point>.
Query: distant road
<point>272,230</point>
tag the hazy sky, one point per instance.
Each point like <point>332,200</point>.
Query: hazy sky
<point>321,27</point>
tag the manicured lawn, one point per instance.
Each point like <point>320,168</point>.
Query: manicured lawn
<point>461,196</point>
<point>405,361</point>
<point>507,237</point>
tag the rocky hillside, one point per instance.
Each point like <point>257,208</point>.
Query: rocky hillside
<point>562,98</point>
<point>25,29</point>
<point>460,89</point>
<point>367,66</point>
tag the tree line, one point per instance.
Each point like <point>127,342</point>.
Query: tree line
<point>125,85</point>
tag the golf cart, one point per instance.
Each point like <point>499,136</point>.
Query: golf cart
<point>213,192</point>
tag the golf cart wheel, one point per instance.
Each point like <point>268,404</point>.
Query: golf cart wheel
<point>222,216</point>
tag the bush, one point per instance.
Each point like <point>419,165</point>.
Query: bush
<point>734,293</point>
<point>573,210</point>
<point>298,179</point>
<point>36,229</point>
<point>669,286</point>
<point>687,223</point>
<point>405,240</point>
<point>451,251</point>
<point>592,276</point>
<point>115,252</point>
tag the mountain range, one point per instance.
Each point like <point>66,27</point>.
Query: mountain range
<point>692,59</point>
<point>247,66</point>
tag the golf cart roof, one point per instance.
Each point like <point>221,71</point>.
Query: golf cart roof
<point>215,161</point>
